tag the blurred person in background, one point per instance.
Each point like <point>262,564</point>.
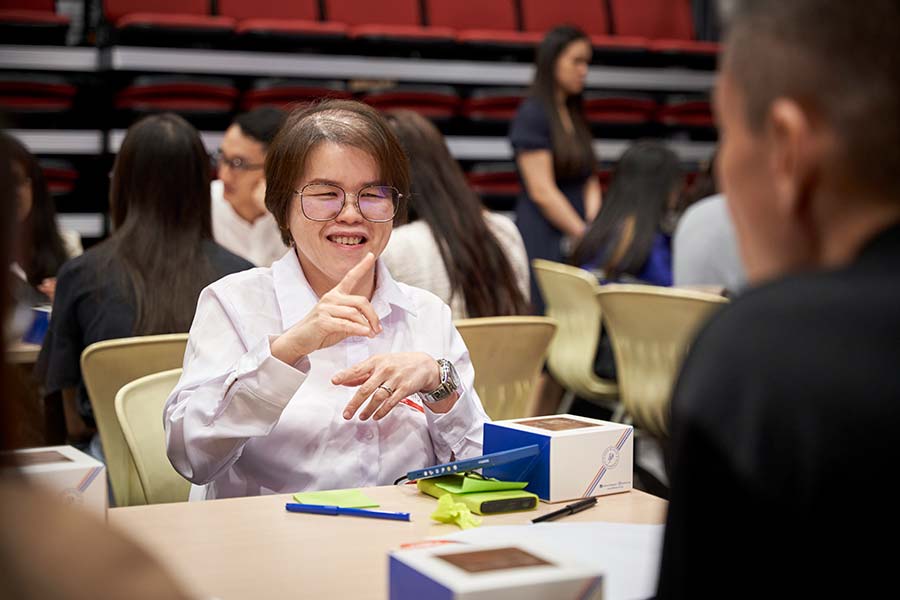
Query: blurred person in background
<point>627,242</point>
<point>554,157</point>
<point>628,239</point>
<point>785,416</point>
<point>704,246</point>
<point>49,549</point>
<point>146,277</point>
<point>240,220</point>
<point>42,246</point>
<point>472,259</point>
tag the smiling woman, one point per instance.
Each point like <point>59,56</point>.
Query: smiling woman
<point>281,361</point>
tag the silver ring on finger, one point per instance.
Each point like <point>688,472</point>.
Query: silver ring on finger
<point>386,388</point>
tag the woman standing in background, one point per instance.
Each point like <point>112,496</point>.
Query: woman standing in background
<point>472,259</point>
<point>554,156</point>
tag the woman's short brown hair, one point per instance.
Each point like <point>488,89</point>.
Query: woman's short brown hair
<point>339,121</point>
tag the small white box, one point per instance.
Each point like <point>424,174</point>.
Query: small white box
<point>579,458</point>
<point>77,478</point>
<point>490,572</point>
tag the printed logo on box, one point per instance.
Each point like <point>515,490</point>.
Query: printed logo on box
<point>611,457</point>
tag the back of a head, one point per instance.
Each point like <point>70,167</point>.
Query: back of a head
<point>160,206</point>
<point>442,198</point>
<point>841,61</point>
<point>161,179</point>
<point>262,124</point>
<point>439,190</point>
<point>643,184</point>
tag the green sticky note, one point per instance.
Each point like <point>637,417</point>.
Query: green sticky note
<point>456,484</point>
<point>341,498</point>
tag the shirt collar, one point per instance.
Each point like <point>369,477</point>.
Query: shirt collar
<point>296,297</point>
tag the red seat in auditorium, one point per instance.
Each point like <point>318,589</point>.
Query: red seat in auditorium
<point>481,22</point>
<point>164,20</point>
<point>615,108</point>
<point>386,21</point>
<point>436,102</point>
<point>267,19</point>
<point>22,95</point>
<point>588,15</point>
<point>32,22</point>
<point>194,98</point>
<point>688,111</point>
<point>668,23</point>
<point>60,174</point>
<point>493,105</point>
<point>290,93</point>
<point>494,179</point>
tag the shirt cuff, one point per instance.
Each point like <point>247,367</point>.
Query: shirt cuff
<point>259,376</point>
<point>457,426</point>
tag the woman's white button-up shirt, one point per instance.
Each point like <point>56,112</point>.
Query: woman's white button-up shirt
<point>245,423</point>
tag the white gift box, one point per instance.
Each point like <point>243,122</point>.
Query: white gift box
<point>464,572</point>
<point>77,478</point>
<point>579,458</point>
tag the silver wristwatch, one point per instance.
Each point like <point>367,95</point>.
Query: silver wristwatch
<point>449,383</point>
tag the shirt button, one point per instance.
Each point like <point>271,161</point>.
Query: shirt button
<point>370,435</point>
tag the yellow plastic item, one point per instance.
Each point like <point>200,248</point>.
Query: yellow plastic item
<point>139,407</point>
<point>507,353</point>
<point>569,295</point>
<point>651,329</point>
<point>106,367</point>
<point>450,511</point>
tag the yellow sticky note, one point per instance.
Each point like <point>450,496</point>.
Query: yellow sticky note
<point>450,511</point>
<point>342,498</point>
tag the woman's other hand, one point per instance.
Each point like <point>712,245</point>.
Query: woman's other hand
<point>386,379</point>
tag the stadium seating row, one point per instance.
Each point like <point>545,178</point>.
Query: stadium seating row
<point>45,94</point>
<point>625,25</point>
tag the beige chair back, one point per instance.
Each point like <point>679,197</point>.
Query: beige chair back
<point>507,353</point>
<point>651,329</point>
<point>139,408</point>
<point>569,293</point>
<point>106,367</point>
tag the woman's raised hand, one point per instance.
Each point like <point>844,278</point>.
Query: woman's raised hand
<point>339,314</point>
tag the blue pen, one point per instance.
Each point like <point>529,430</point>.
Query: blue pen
<point>318,509</point>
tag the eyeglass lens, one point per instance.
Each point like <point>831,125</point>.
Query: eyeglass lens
<point>323,202</point>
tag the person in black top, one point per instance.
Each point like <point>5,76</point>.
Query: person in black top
<point>146,278</point>
<point>552,144</point>
<point>785,416</point>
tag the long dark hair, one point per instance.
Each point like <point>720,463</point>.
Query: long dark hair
<point>474,259</point>
<point>160,209</point>
<point>572,154</point>
<point>39,249</point>
<point>633,208</point>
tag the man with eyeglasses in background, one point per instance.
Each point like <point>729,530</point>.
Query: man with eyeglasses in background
<point>240,220</point>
